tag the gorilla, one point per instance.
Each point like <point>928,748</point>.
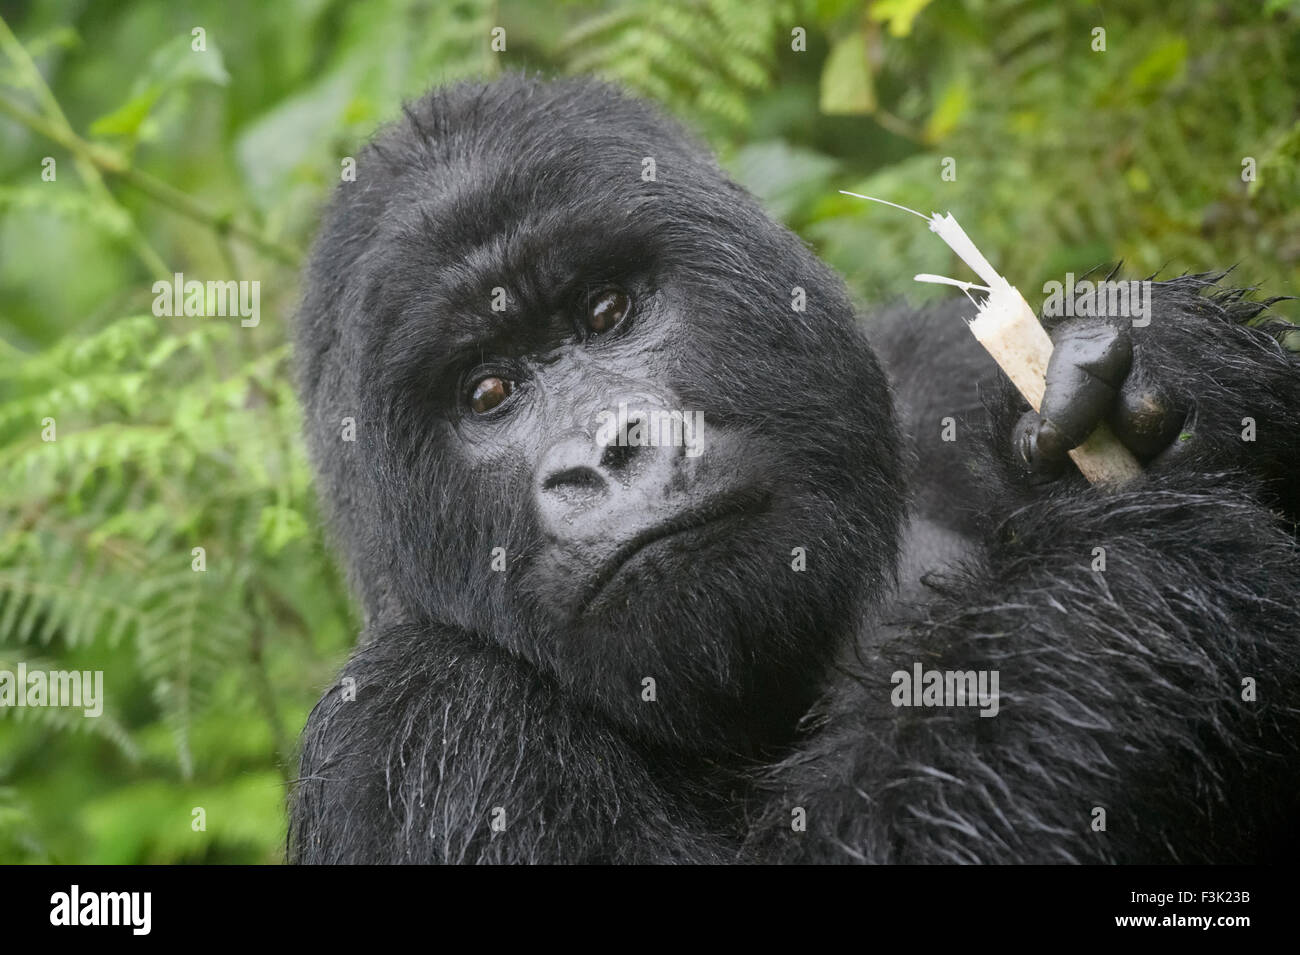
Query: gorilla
<point>668,555</point>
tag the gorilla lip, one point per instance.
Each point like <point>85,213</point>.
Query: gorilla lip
<point>741,504</point>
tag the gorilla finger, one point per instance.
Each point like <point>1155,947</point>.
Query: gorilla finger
<point>1037,466</point>
<point>1145,417</point>
<point>1089,363</point>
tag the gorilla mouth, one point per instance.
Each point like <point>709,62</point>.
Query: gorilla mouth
<point>739,505</point>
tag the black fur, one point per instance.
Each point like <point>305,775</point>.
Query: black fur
<point>517,695</point>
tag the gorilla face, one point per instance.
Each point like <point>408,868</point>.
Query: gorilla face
<point>502,304</point>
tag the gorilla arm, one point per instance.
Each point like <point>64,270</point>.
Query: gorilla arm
<point>1148,700</point>
<point>1120,690</point>
<point>456,751</point>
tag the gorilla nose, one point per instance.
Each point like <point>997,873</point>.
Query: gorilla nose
<point>589,488</point>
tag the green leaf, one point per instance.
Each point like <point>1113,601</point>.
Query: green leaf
<point>173,66</point>
<point>1165,64</point>
<point>846,86</point>
<point>279,526</point>
<point>948,111</point>
<point>898,15</point>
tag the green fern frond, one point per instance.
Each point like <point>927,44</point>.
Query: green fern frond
<point>700,58</point>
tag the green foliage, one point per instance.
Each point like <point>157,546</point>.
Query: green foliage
<point>706,58</point>
<point>170,70</point>
<point>167,436</point>
<point>171,434</point>
<point>847,84</point>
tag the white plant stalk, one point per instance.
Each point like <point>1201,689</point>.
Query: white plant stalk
<point>1010,332</point>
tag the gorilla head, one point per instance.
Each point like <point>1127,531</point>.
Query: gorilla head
<point>483,319</point>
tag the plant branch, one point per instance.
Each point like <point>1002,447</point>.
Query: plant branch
<point>265,691</point>
<point>114,164</point>
<point>93,159</point>
<point>58,122</point>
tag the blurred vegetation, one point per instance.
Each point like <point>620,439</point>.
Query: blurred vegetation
<point>176,433</point>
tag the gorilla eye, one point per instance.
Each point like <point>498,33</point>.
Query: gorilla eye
<point>606,309</point>
<point>489,392</point>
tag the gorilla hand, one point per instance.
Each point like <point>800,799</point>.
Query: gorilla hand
<point>1193,387</point>
<point>1096,374</point>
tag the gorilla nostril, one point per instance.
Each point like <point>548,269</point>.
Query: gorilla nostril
<point>617,457</point>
